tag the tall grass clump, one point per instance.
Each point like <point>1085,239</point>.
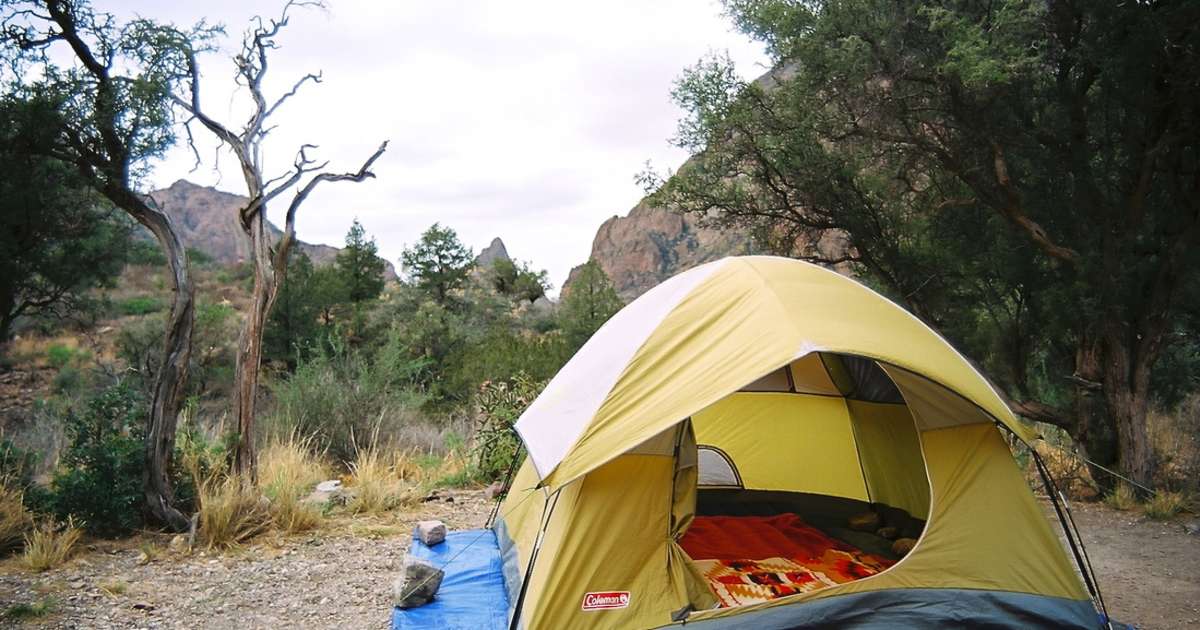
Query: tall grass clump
<point>375,480</point>
<point>288,470</point>
<point>1165,504</point>
<point>232,511</point>
<point>1123,497</point>
<point>51,543</point>
<point>16,522</point>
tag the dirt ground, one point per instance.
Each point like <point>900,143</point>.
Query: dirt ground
<point>340,578</point>
<point>1149,571</point>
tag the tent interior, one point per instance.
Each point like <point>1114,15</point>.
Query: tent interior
<point>810,476</point>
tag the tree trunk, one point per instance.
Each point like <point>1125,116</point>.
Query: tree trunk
<point>1093,434</point>
<point>171,379</point>
<point>249,358</point>
<point>1126,392</point>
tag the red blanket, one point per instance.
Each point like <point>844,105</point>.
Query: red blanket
<point>749,559</point>
<point>756,538</point>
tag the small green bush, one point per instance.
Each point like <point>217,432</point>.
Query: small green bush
<point>100,480</point>
<point>58,355</point>
<point>498,405</point>
<point>140,305</point>
<point>146,253</point>
<point>17,465</point>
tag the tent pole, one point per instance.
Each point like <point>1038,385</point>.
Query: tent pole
<point>547,512</point>
<point>1067,522</point>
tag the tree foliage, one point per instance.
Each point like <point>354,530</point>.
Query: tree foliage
<point>439,263</point>
<point>360,266</point>
<point>589,301</point>
<point>518,281</point>
<point>57,238</point>
<point>1021,174</point>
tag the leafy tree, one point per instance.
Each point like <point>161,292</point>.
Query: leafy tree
<point>439,263</point>
<point>292,325</point>
<point>1021,174</point>
<point>518,281</point>
<point>589,301</point>
<point>328,292</point>
<point>111,81</point>
<point>360,266</point>
<point>57,239</point>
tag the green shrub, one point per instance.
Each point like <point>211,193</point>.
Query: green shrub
<point>498,405</point>
<point>58,355</point>
<point>199,257</point>
<point>140,305</point>
<point>17,465</point>
<point>100,479</point>
<point>340,394</point>
<point>146,253</point>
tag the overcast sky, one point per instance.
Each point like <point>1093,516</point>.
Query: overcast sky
<point>521,119</point>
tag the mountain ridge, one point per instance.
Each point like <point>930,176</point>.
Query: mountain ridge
<point>206,219</point>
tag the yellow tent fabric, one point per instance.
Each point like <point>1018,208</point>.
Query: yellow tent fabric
<point>809,433</point>
<point>610,484</point>
<point>743,318</point>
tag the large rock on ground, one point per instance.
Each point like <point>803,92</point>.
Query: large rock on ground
<point>431,533</point>
<point>417,584</point>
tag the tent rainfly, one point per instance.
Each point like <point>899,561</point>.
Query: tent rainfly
<point>739,447</point>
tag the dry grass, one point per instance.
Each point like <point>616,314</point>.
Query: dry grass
<point>50,544</point>
<point>1123,497</point>
<point>16,522</point>
<point>114,587</point>
<point>232,511</point>
<point>375,483</point>
<point>1165,504</point>
<point>1176,440</point>
<point>288,471</point>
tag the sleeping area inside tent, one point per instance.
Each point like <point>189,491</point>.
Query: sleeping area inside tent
<point>809,477</point>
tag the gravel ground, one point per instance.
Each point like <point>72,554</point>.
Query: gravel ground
<point>341,577</point>
<point>337,578</point>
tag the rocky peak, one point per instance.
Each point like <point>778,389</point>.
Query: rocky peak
<point>493,252</point>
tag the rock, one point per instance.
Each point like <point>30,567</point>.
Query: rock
<point>431,532</point>
<point>903,545</point>
<point>417,584</point>
<point>491,492</point>
<point>432,496</point>
<point>143,557</point>
<point>1192,528</point>
<point>490,254</point>
<point>329,486</point>
<point>329,492</point>
<point>178,544</point>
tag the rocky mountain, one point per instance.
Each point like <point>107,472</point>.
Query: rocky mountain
<point>653,243</point>
<point>207,220</point>
<point>490,254</point>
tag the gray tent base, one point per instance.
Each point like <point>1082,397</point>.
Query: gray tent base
<point>917,608</point>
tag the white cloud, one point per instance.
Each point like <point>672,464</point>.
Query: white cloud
<point>521,119</point>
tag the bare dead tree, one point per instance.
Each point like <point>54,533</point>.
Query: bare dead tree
<point>270,264</point>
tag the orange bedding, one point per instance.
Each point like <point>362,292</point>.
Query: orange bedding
<point>748,559</point>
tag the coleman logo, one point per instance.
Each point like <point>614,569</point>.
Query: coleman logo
<point>606,600</point>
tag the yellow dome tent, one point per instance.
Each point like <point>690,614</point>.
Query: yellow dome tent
<point>762,385</point>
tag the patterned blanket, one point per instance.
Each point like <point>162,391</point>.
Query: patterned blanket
<point>806,559</point>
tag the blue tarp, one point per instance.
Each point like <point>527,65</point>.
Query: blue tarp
<point>472,594</point>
